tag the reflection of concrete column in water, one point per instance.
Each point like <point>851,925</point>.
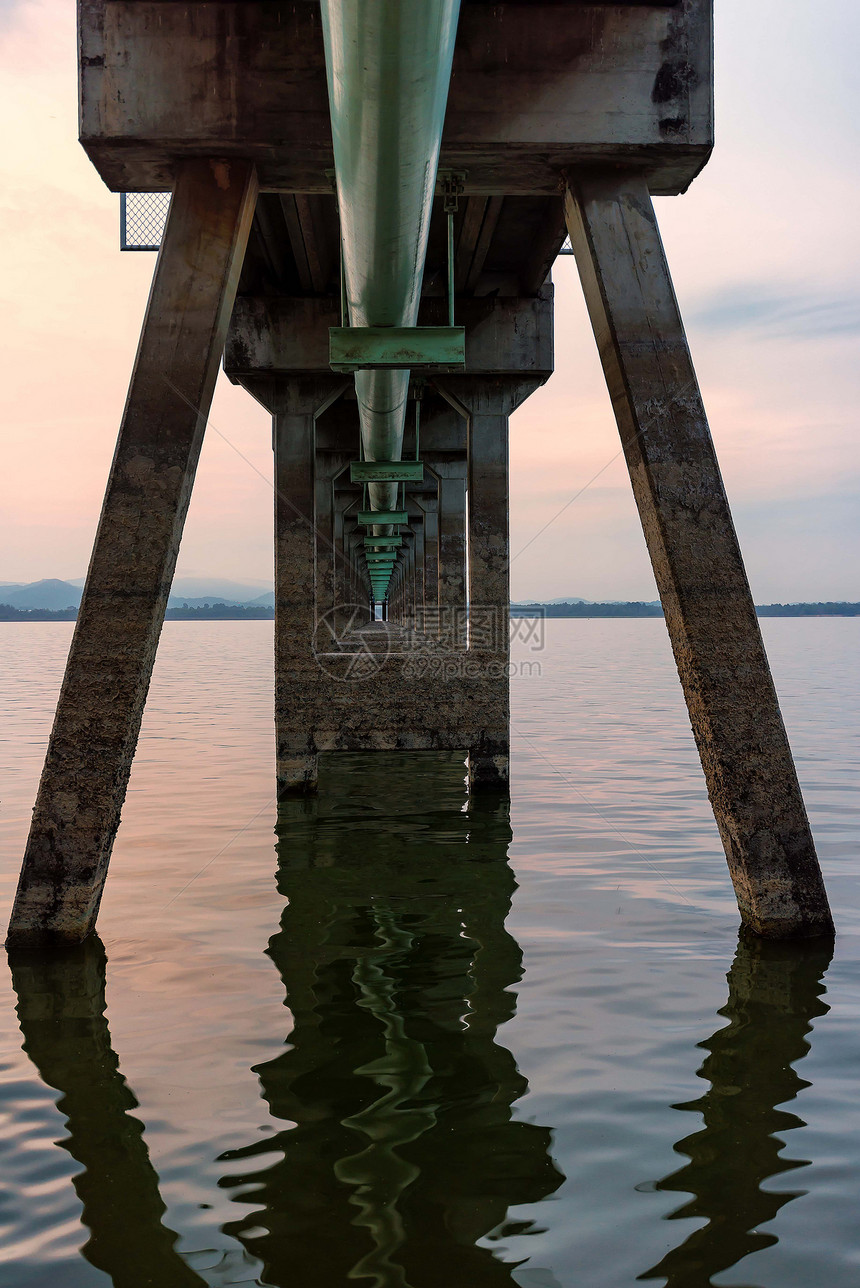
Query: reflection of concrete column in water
<point>398,972</point>
<point>61,1004</point>
<point>775,992</point>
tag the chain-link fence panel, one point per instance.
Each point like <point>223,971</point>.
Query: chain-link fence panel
<point>142,216</point>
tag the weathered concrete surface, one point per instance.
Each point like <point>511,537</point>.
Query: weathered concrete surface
<point>421,697</point>
<point>535,88</point>
<point>486,404</point>
<point>709,610</point>
<point>113,649</point>
<point>430,508</point>
<point>296,404</point>
<point>451,475</point>
<point>333,577</point>
<point>418,572</point>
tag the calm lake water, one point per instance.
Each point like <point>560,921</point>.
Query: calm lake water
<point>401,1040</point>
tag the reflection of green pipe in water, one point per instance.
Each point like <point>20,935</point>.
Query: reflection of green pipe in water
<point>775,992</point>
<point>61,1005</point>
<point>378,1175</point>
<point>398,971</point>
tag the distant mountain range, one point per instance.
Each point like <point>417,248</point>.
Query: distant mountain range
<point>196,592</point>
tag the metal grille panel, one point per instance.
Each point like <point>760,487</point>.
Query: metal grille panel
<point>142,216</point>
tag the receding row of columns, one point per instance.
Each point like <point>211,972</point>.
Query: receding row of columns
<point>454,548</point>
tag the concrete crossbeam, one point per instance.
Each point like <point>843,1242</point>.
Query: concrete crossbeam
<point>274,334</point>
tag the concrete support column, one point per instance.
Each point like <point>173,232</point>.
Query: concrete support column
<point>358,590</point>
<point>325,560</point>
<point>409,579</point>
<point>709,610</point>
<point>325,545</point>
<point>430,506</point>
<point>452,550</point>
<point>349,588</point>
<point>489,553</point>
<point>334,586</point>
<point>340,570</point>
<point>107,676</point>
<point>418,576</point>
<point>487,404</point>
<point>489,556</point>
<point>297,401</point>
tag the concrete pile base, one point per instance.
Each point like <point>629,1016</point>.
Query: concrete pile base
<point>384,688</point>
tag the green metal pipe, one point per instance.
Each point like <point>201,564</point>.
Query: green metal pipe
<point>388,64</point>
<point>450,223</point>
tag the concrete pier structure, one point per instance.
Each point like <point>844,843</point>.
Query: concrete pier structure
<point>560,118</point>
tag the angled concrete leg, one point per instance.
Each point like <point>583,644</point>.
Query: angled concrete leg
<point>709,610</point>
<point>110,663</point>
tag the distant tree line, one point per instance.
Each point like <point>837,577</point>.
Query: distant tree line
<point>220,613</point>
<point>260,612</point>
<point>10,614</point>
<point>204,613</point>
<point>632,609</point>
<point>827,608</point>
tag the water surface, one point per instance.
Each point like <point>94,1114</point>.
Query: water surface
<point>396,1038</point>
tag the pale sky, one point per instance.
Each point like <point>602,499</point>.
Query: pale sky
<point>764,253</point>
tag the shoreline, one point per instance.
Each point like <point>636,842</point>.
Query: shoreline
<point>630,609</point>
